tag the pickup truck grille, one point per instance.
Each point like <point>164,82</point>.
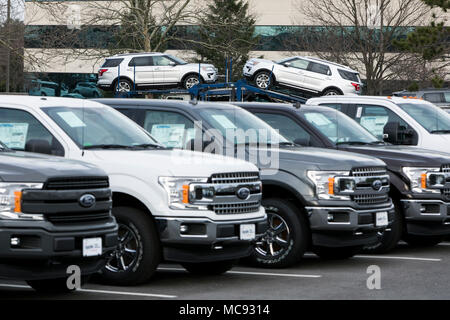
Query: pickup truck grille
<point>239,177</point>
<point>236,208</point>
<point>77,183</point>
<point>446,193</point>
<point>60,200</point>
<point>369,172</point>
<point>369,199</point>
<point>232,193</point>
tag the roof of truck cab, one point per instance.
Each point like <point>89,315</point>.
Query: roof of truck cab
<point>143,103</point>
<point>377,98</point>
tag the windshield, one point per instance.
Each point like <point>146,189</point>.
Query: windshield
<point>177,60</point>
<point>338,127</point>
<point>229,121</point>
<point>432,118</point>
<point>99,127</point>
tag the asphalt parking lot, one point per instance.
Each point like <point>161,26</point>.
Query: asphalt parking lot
<point>406,273</point>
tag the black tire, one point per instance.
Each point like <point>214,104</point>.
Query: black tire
<point>331,92</point>
<point>138,233</point>
<point>296,236</point>
<point>123,86</point>
<point>209,268</point>
<point>423,241</point>
<point>389,239</point>
<point>54,285</point>
<point>336,253</point>
<point>263,80</point>
<point>191,80</point>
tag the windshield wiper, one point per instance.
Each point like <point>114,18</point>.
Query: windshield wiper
<point>440,131</point>
<point>107,146</point>
<point>148,145</point>
<point>353,143</point>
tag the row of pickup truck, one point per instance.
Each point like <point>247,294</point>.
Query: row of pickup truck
<point>116,186</point>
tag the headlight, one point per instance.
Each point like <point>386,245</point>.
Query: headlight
<point>425,180</point>
<point>209,69</point>
<point>177,189</point>
<point>11,201</point>
<point>329,182</point>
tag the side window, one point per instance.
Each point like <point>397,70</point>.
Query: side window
<point>19,130</point>
<point>319,68</point>
<point>434,97</point>
<point>172,129</point>
<point>287,127</point>
<point>141,62</point>
<point>447,96</point>
<point>161,61</point>
<point>299,64</point>
<point>374,119</point>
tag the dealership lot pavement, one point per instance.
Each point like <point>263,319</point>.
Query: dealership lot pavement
<point>406,273</point>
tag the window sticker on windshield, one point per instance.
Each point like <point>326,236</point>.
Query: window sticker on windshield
<point>14,135</point>
<point>224,121</point>
<point>71,119</point>
<point>170,135</point>
<point>317,119</point>
<point>359,112</point>
<point>375,124</point>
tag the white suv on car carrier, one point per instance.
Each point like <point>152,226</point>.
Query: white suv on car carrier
<point>132,71</point>
<point>310,75</point>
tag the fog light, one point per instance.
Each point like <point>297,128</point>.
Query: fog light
<point>183,229</point>
<point>330,217</point>
<point>15,242</point>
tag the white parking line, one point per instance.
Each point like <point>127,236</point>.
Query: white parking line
<point>122,293</point>
<point>289,275</point>
<point>398,258</point>
<point>387,257</point>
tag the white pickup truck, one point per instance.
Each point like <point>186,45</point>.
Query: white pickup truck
<point>201,210</point>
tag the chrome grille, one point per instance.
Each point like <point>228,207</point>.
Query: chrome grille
<point>446,193</point>
<point>370,199</point>
<point>238,177</point>
<point>369,172</point>
<point>236,208</point>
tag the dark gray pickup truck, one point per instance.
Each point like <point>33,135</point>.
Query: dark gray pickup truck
<point>330,201</point>
<point>54,213</point>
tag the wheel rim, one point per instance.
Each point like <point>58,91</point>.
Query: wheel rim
<point>331,93</point>
<point>126,253</point>
<point>124,86</point>
<point>276,239</point>
<point>262,81</point>
<point>190,82</point>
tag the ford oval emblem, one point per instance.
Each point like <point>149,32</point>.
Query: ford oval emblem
<point>376,185</point>
<point>243,193</point>
<point>87,200</point>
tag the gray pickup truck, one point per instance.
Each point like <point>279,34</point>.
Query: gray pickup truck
<point>54,213</point>
<point>328,201</point>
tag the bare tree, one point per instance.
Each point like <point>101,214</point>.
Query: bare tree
<point>359,33</point>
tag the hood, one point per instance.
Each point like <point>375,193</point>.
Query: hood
<point>28,167</point>
<point>322,159</point>
<point>202,65</point>
<point>179,163</point>
<point>261,60</point>
<point>397,156</point>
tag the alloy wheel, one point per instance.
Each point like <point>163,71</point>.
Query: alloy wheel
<point>190,82</point>
<point>262,81</point>
<point>126,253</point>
<point>124,86</point>
<point>276,240</point>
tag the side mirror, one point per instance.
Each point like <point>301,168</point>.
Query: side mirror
<point>38,146</point>
<point>287,64</point>
<point>394,133</point>
<point>172,64</point>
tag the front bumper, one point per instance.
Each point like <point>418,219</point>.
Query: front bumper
<point>427,217</point>
<point>351,227</point>
<point>44,253</point>
<point>206,240</point>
